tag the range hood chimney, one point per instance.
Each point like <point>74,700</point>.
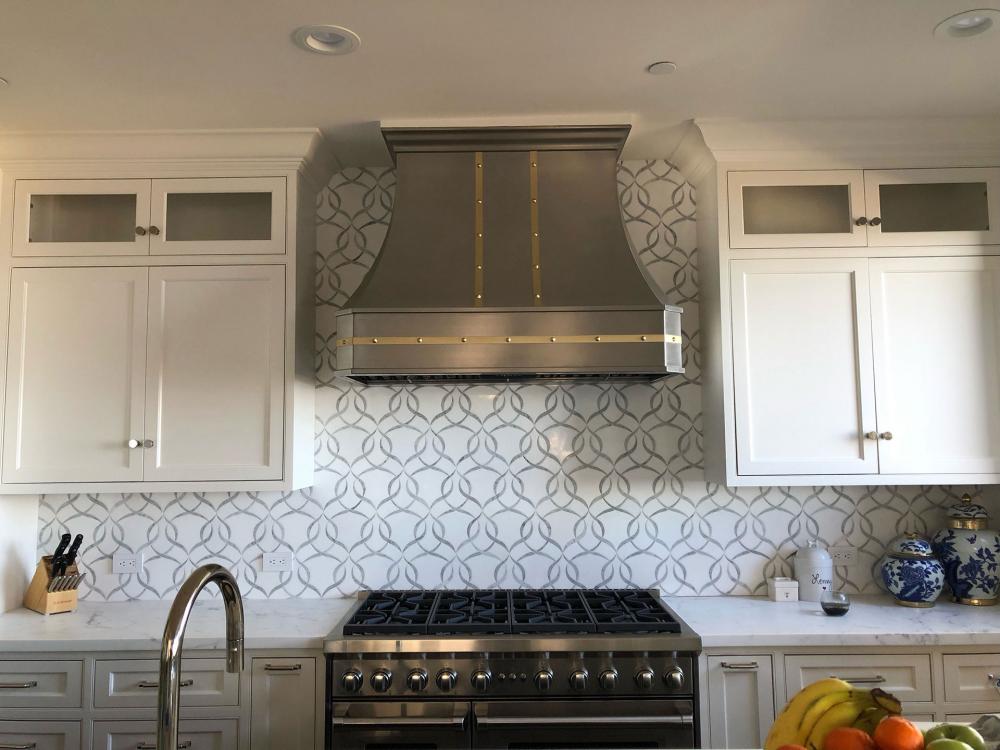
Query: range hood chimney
<point>506,261</point>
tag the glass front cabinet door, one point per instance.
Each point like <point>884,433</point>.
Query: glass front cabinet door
<point>211,216</point>
<point>797,209</point>
<point>81,217</point>
<point>912,207</point>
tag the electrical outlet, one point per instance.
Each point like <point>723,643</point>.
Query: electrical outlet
<point>278,562</point>
<point>124,562</point>
<point>844,556</point>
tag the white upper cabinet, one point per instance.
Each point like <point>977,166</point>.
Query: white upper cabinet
<point>75,365</point>
<point>911,207</point>
<point>936,331</point>
<point>804,395</point>
<point>80,217</point>
<point>214,384</point>
<point>208,216</point>
<point>797,209</point>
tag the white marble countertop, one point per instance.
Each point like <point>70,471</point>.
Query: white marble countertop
<point>873,620</point>
<point>138,626</point>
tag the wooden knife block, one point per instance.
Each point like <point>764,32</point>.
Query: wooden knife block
<point>40,599</point>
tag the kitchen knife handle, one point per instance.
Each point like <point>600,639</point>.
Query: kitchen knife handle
<point>74,549</point>
<point>63,544</point>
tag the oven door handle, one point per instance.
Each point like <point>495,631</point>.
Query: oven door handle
<point>457,719</point>
<point>590,719</point>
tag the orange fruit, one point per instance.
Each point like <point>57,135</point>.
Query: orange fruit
<point>848,738</point>
<point>896,733</point>
<point>791,747</point>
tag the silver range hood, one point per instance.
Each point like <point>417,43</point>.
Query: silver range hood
<point>506,261</point>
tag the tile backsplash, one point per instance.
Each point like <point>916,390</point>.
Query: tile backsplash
<point>487,485</point>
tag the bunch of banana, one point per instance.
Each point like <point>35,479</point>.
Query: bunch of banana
<point>826,705</point>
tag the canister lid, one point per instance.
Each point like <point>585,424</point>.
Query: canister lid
<point>910,545</point>
<point>967,514</point>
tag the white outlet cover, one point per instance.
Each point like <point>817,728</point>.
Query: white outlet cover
<point>278,562</point>
<point>124,562</point>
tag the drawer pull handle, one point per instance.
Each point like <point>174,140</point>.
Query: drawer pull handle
<point>282,667</point>
<point>148,684</point>
<point>876,680</point>
<point>152,745</point>
<point>17,746</point>
<point>18,685</point>
<point>748,665</point>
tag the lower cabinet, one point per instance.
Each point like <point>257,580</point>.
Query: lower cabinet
<point>741,698</point>
<point>283,704</point>
<point>195,734</point>
<point>40,735</point>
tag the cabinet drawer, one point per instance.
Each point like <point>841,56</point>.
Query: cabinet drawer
<point>41,684</point>
<point>195,734</point>
<point>971,677</point>
<point>907,676</point>
<point>40,735</point>
<point>133,683</point>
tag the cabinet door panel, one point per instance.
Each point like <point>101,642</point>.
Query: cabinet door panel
<point>741,700</point>
<point>215,373</point>
<point>81,217</point>
<point>933,206</point>
<point>194,734</point>
<point>283,704</point>
<point>40,735</point>
<point>907,676</point>
<point>936,325</point>
<point>796,209</point>
<point>229,215</point>
<point>74,374</point>
<point>804,392</point>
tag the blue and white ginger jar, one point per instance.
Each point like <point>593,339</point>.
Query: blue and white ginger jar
<point>911,573</point>
<point>970,553</point>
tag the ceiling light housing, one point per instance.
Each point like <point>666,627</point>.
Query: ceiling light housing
<point>661,68</point>
<point>968,23</point>
<point>326,40</point>
<point>3,82</point>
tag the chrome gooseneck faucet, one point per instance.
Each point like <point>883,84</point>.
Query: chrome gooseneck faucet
<point>173,641</point>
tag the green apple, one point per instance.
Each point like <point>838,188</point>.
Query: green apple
<point>946,744</point>
<point>961,732</point>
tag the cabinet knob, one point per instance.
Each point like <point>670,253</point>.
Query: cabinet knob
<point>154,231</point>
<point>871,436</point>
<point>147,443</point>
<point>875,221</point>
<point>885,435</point>
<point>141,231</point>
<point>861,221</point>
<point>133,443</point>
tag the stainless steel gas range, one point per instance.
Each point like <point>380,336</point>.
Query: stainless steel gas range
<point>426,670</point>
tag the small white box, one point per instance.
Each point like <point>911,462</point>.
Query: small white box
<point>782,589</point>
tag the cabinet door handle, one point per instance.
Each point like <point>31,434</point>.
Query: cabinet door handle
<point>152,745</point>
<point>885,435</point>
<point>17,746</point>
<point>282,667</point>
<point>861,221</point>
<point>19,685</point>
<point>147,443</point>
<point>745,665</point>
<point>875,221</point>
<point>150,684</point>
<point>153,230</point>
<point>140,231</point>
<point>876,680</point>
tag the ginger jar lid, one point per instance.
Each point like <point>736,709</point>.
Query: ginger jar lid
<point>967,515</point>
<point>910,546</point>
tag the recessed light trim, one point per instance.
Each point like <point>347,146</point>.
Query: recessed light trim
<point>324,39</point>
<point>968,23</point>
<point>3,82</point>
<point>661,68</point>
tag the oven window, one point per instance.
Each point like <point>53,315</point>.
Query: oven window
<point>618,745</point>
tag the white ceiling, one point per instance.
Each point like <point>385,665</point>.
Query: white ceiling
<point>151,64</point>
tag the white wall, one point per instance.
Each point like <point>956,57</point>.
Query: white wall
<point>18,540</point>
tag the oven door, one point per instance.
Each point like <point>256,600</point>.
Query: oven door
<point>556,725</point>
<point>400,726</point>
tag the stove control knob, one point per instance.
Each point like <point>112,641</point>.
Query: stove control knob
<point>644,679</point>
<point>352,680</point>
<point>381,680</point>
<point>578,681</point>
<point>608,679</point>
<point>543,681</point>
<point>481,681</point>
<point>674,678</point>
<point>446,680</point>
<point>416,680</point>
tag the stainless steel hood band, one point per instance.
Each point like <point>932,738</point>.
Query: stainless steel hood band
<point>613,338</point>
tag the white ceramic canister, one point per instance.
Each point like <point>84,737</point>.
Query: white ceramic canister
<point>813,571</point>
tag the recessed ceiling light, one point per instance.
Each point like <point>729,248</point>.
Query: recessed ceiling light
<point>3,82</point>
<point>327,40</point>
<point>968,23</point>
<point>661,68</point>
